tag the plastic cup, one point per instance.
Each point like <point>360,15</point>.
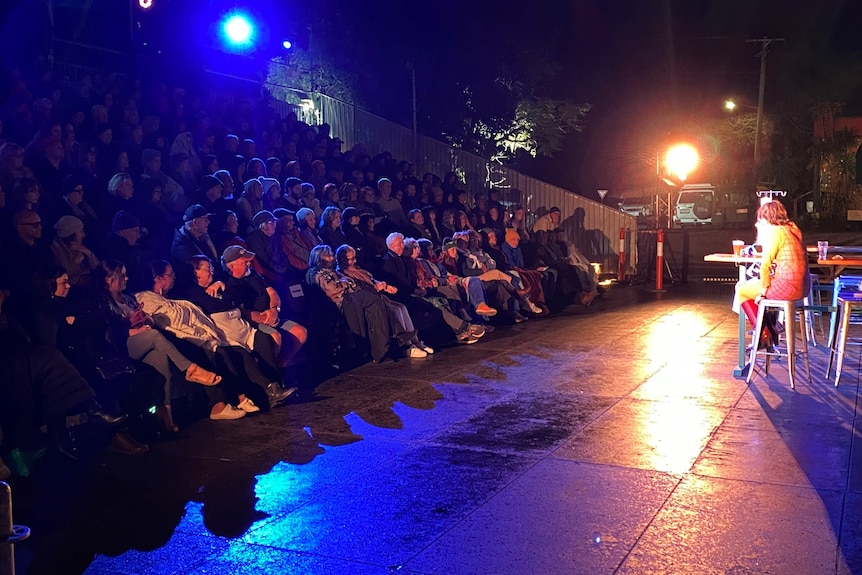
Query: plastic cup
<point>822,250</point>
<point>737,247</point>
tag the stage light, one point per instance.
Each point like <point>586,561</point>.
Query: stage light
<point>239,30</point>
<point>286,45</point>
<point>145,4</point>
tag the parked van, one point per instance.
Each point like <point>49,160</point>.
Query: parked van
<point>695,205</point>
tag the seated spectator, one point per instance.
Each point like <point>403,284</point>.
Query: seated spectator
<point>391,207</point>
<point>24,253</point>
<point>293,191</point>
<point>256,169</point>
<point>518,222</point>
<point>350,227</point>
<point>249,203</point>
<point>131,334</point>
<point>12,166</point>
<point>417,227</point>
<point>530,279</point>
<point>72,203</point>
<point>260,302</point>
<point>227,185</point>
<point>225,312</point>
<point>26,195</point>
<point>186,321</point>
<point>512,250</point>
<point>173,193</point>
<point>372,247</point>
<point>273,168</point>
<point>260,242</point>
<point>272,196</point>
<point>448,223</point>
<point>121,190</point>
<point>452,286</point>
<point>310,201</point>
<point>290,241</point>
<point>308,226</point>
<point>479,215</point>
<point>397,274</point>
<point>210,194</point>
<point>549,221</point>
<point>192,239</point>
<point>586,273</point>
<point>183,145</point>
<point>496,221</point>
<point>366,314</point>
<point>349,195</point>
<point>548,255</point>
<point>462,222</point>
<point>122,244</point>
<point>330,228</point>
<point>345,260</point>
<point>368,202</point>
<point>70,253</point>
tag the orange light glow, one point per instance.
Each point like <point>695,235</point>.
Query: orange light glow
<point>681,160</point>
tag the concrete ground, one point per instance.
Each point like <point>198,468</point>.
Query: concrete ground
<point>607,440</point>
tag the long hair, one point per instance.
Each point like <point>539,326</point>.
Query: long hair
<point>106,270</point>
<point>327,216</point>
<point>315,262</point>
<point>773,213</point>
<point>341,256</point>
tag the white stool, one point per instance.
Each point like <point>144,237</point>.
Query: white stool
<point>790,308</point>
<point>846,304</point>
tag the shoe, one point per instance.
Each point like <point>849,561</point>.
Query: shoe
<point>476,330</point>
<point>277,394</point>
<point>125,444</point>
<point>247,406</point>
<point>96,413</point>
<point>425,348</point>
<point>416,352</point>
<point>166,419</point>
<point>485,309</point>
<point>229,412</point>
<point>466,337</point>
<point>534,308</point>
<point>197,374</point>
<point>519,318</point>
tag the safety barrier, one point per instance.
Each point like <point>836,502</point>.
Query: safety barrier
<point>9,533</point>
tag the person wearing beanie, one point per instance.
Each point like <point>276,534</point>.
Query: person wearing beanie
<point>209,195</point>
<point>549,221</point>
<point>69,252</point>
<point>272,196</point>
<point>307,223</point>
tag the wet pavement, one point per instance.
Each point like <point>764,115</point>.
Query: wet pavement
<point>612,439</point>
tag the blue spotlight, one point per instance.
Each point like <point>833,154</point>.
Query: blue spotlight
<point>286,45</point>
<point>239,30</point>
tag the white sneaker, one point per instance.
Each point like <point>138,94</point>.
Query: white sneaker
<point>416,352</point>
<point>229,412</point>
<point>248,406</point>
<point>425,348</point>
<point>534,308</point>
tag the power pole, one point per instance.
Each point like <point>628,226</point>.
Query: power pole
<point>764,50</point>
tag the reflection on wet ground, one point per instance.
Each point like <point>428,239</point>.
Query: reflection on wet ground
<point>607,440</point>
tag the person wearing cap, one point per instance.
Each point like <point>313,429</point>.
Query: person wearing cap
<point>122,245</point>
<point>260,302</point>
<point>70,253</point>
<point>260,241</point>
<point>192,238</point>
<point>549,221</point>
<point>209,296</point>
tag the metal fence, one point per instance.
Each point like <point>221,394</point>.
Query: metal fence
<point>592,226</point>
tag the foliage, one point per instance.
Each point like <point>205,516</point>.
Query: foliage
<point>834,158</point>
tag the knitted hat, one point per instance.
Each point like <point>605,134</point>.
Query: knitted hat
<point>68,225</point>
<point>302,213</point>
<point>512,234</point>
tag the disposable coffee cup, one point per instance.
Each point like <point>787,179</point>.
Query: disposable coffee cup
<point>822,250</point>
<point>737,247</point>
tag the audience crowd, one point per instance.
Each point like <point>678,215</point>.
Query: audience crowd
<point>150,239</point>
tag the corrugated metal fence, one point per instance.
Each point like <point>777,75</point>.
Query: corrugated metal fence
<point>593,227</point>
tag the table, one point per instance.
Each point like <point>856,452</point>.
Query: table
<point>742,367</point>
<point>837,264</point>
